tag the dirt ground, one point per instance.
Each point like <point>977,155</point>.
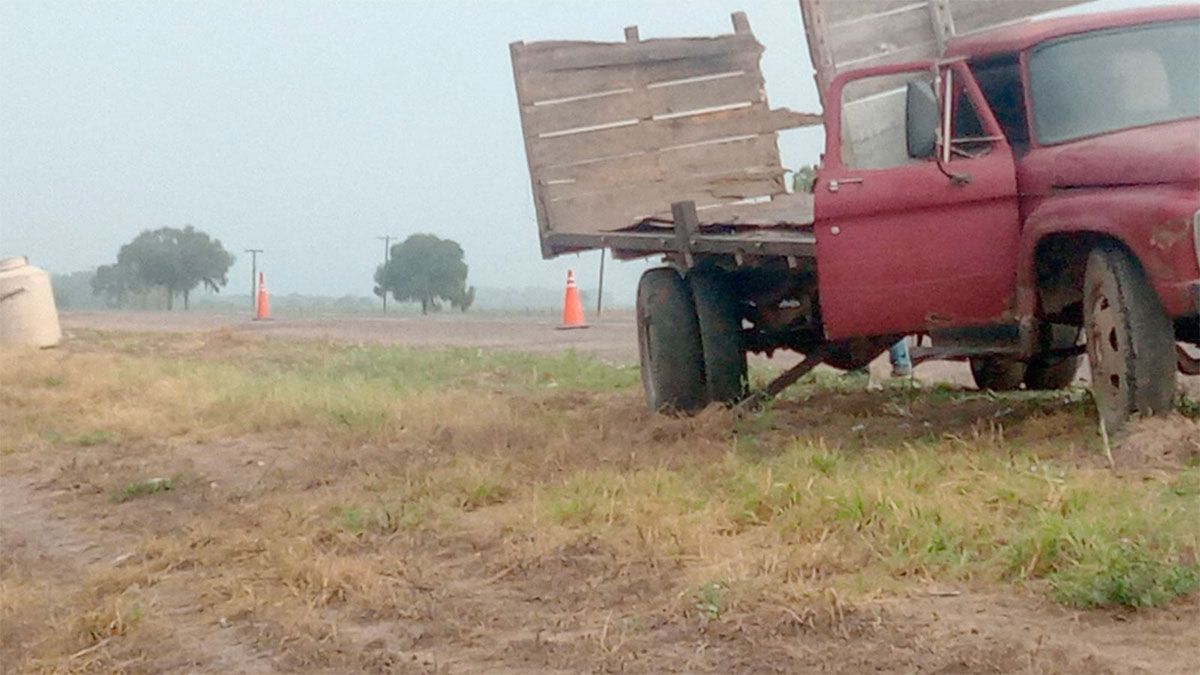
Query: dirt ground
<point>579,608</point>
<point>478,598</point>
<point>613,338</point>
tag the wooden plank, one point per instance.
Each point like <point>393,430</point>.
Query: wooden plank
<point>942,22</point>
<point>816,30</point>
<point>547,86</point>
<point>776,242</point>
<point>841,11</point>
<point>539,209</point>
<point>644,103</point>
<point>872,37</point>
<point>974,15</point>
<point>728,179</point>
<point>754,154</point>
<point>627,206</point>
<point>550,56</point>
<point>651,136</point>
<point>791,209</point>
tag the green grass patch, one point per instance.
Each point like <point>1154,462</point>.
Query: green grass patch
<point>143,488</point>
<point>91,438</point>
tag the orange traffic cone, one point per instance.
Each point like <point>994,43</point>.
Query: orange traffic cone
<point>572,306</point>
<point>262,304</point>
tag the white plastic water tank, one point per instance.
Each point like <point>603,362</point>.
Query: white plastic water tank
<point>27,312</point>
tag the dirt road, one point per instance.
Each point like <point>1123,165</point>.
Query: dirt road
<point>613,338</point>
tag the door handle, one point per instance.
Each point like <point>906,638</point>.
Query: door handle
<point>835,185</point>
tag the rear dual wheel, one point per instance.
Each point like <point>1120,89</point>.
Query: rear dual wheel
<point>689,341</point>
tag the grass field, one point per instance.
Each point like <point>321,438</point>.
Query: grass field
<point>216,502</point>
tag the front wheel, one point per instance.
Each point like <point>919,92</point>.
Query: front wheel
<point>669,347</point>
<point>1130,339</point>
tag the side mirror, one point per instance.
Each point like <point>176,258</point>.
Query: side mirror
<point>921,119</point>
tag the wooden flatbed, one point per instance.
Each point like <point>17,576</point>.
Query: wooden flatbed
<point>615,133</point>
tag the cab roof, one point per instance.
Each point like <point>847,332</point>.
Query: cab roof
<point>1019,37</point>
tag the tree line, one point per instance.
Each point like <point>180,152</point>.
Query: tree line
<point>173,262</point>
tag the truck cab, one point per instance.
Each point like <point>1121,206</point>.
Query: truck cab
<point>1033,192</point>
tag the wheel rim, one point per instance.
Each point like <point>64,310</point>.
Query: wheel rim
<point>1104,350</point>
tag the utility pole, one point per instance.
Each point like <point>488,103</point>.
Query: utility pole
<point>600,291</point>
<point>254,277</point>
<point>387,255</point>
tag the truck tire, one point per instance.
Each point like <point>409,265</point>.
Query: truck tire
<point>669,345</point>
<point>1046,373</point>
<point>720,322</point>
<point>855,354</point>
<point>1130,339</point>
<point>998,373</point>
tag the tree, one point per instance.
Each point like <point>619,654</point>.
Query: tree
<point>803,179</point>
<point>175,260</point>
<point>115,284</point>
<point>426,269</point>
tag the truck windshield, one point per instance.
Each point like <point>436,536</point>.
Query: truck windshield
<point>1102,82</point>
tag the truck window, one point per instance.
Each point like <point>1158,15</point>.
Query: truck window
<point>873,133</point>
<point>1111,80</point>
<point>969,137</point>
<point>1000,80</point>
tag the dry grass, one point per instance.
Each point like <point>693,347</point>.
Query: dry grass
<point>321,495</point>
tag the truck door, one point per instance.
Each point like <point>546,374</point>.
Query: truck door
<point>907,244</point>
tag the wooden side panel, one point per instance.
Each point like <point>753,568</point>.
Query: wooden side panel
<point>847,34</point>
<point>845,11</point>
<point>617,132</point>
<point>972,16</point>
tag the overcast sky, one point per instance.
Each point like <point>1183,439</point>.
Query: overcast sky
<point>309,128</point>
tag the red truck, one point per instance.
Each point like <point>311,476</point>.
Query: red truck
<point>1023,195</point>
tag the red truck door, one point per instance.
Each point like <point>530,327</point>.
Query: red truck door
<point>903,244</point>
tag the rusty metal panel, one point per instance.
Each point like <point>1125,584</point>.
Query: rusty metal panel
<point>617,132</point>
